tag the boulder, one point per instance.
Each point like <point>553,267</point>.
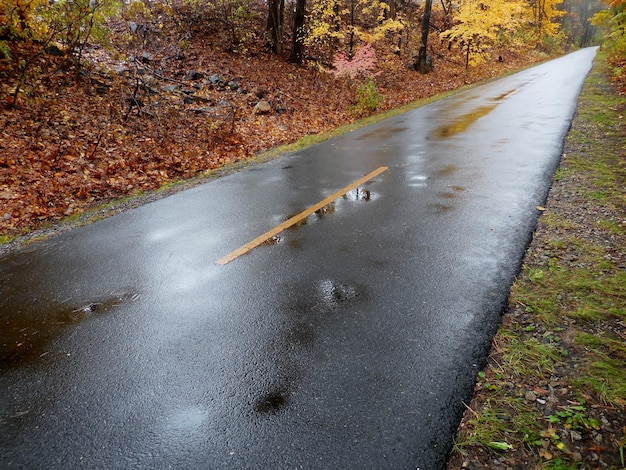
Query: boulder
<point>262,107</point>
<point>54,50</point>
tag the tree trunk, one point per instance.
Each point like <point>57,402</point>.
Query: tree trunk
<point>275,19</point>
<point>424,62</point>
<point>298,34</point>
<point>351,42</point>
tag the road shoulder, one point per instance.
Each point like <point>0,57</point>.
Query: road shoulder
<point>554,390</point>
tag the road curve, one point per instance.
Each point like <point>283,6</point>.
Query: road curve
<point>348,339</point>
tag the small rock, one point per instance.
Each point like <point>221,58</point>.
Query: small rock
<point>530,395</point>
<point>605,423</point>
<point>150,80</point>
<point>577,457</point>
<point>203,110</point>
<point>193,75</point>
<point>169,88</point>
<point>215,79</point>
<point>6,216</point>
<point>146,58</point>
<point>202,99</point>
<point>262,107</point>
<point>121,70</point>
<point>575,436</point>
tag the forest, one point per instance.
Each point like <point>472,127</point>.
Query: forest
<point>101,99</point>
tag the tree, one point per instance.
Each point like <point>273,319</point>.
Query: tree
<point>298,32</point>
<point>478,24</point>
<point>543,14</point>
<point>614,20</point>
<point>336,23</point>
<point>424,62</point>
<point>275,22</point>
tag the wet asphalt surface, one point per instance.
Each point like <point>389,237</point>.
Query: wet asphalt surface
<point>349,340</point>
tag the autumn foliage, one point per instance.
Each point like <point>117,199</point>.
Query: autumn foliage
<point>104,99</point>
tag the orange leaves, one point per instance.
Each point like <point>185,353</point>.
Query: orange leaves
<point>68,148</point>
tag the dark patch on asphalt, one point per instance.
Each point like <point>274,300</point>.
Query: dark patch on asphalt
<point>25,335</point>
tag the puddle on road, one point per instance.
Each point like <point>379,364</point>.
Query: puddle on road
<point>447,170</point>
<point>308,308</point>
<point>331,295</point>
<point>25,336</point>
<point>327,209</point>
<point>443,208</point>
<point>384,133</point>
<point>359,194</point>
<point>275,240</point>
<point>461,123</point>
<point>324,296</point>
<point>272,402</point>
<point>418,181</point>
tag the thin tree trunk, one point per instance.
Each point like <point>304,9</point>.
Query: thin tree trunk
<point>424,64</point>
<point>275,20</point>
<point>351,42</point>
<point>298,34</point>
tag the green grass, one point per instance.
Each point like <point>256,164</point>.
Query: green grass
<point>576,286</point>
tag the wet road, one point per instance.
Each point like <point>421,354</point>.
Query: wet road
<point>348,340</point>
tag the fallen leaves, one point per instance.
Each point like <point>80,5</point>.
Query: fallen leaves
<point>68,147</point>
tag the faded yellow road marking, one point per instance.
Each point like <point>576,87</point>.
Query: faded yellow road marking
<point>295,219</point>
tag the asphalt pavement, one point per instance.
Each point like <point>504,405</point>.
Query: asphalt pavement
<point>328,309</point>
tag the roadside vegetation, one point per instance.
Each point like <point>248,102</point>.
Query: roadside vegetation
<point>103,99</point>
<point>553,394</point>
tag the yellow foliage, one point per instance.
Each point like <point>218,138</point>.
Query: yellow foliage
<point>543,14</point>
<point>16,16</point>
<point>479,22</point>
<point>333,21</point>
<point>602,18</point>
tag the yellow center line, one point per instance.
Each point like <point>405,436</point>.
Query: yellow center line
<point>295,219</point>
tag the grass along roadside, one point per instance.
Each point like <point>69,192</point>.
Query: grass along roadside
<point>553,395</point>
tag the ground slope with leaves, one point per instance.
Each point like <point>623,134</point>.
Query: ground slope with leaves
<point>553,395</point>
<point>151,112</point>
